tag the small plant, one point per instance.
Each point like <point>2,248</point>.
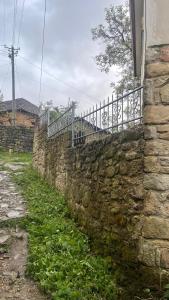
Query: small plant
<point>166,292</point>
<point>59,254</point>
<point>15,156</point>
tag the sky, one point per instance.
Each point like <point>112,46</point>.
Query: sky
<point>69,68</point>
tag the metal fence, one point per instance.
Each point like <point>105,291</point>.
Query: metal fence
<point>44,118</point>
<point>115,114</point>
<point>63,122</point>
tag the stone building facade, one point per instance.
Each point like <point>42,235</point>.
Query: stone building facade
<point>103,185</point>
<point>26,113</point>
<point>19,139</point>
<point>118,188</point>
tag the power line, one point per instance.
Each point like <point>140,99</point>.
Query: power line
<point>3,78</point>
<point>33,93</point>
<point>4,20</point>
<point>42,54</point>
<point>21,21</point>
<point>59,80</point>
<point>14,20</point>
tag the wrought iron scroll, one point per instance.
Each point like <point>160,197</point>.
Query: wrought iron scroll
<point>62,123</point>
<point>114,115</point>
<point>44,118</point>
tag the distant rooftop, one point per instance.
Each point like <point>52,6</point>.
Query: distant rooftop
<point>21,105</point>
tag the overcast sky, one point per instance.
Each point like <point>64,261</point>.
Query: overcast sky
<point>68,51</point>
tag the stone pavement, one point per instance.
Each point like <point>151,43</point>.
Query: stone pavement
<point>13,243</point>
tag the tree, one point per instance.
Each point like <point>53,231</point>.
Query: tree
<point>116,36</point>
<point>1,99</point>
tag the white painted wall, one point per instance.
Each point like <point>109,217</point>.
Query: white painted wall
<point>157,22</point>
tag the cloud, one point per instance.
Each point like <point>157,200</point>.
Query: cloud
<point>68,53</point>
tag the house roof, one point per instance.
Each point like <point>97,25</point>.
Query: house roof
<point>21,105</point>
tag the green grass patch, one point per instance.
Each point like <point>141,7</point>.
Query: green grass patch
<point>15,157</point>
<point>59,254</point>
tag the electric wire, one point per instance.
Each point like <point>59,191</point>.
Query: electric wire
<point>21,21</point>
<point>3,78</point>
<point>4,21</point>
<point>19,76</point>
<point>92,99</point>
<point>42,54</point>
<point>14,21</point>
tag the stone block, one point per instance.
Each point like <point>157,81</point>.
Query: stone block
<point>164,54</point>
<point>156,114</point>
<point>165,258</point>
<point>151,164</point>
<point>157,69</point>
<point>150,132</point>
<point>163,131</point>
<point>152,203</point>
<point>156,89</point>
<point>156,182</point>
<point>163,128</point>
<point>147,254</point>
<point>123,168</point>
<point>152,54</point>
<point>157,147</point>
<point>156,228</point>
<point>164,94</point>
<point>110,171</point>
<point>131,155</point>
<point>138,192</point>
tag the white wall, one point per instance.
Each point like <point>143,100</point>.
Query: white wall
<point>157,22</point>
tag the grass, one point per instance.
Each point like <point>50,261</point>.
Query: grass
<point>15,157</point>
<point>59,254</point>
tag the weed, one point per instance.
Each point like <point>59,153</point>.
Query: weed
<point>15,157</point>
<point>59,254</point>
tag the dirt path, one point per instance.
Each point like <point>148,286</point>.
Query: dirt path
<point>13,244</point>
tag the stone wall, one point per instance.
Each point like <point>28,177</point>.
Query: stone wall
<point>154,249</point>
<point>103,184</point>
<point>16,138</point>
<point>104,189</point>
<point>22,119</point>
<point>118,187</point>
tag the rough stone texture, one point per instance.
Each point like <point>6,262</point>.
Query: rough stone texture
<point>156,114</point>
<point>22,119</point>
<point>16,138</point>
<point>104,190</point>
<point>118,187</point>
<point>50,157</point>
<point>154,242</point>
<point>157,69</point>
<point>103,184</point>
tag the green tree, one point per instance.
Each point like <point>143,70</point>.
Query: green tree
<point>1,99</point>
<point>116,37</point>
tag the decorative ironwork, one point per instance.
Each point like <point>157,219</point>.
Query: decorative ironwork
<point>44,118</point>
<point>63,122</point>
<point>120,113</point>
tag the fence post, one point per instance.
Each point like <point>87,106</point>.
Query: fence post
<point>48,117</point>
<point>73,117</point>
<point>48,121</point>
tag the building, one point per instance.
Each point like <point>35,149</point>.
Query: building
<point>26,113</point>
<point>150,27</point>
<point>150,36</point>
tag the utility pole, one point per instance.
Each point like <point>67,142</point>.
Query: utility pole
<point>12,52</point>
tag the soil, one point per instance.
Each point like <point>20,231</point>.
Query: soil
<point>13,243</point>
